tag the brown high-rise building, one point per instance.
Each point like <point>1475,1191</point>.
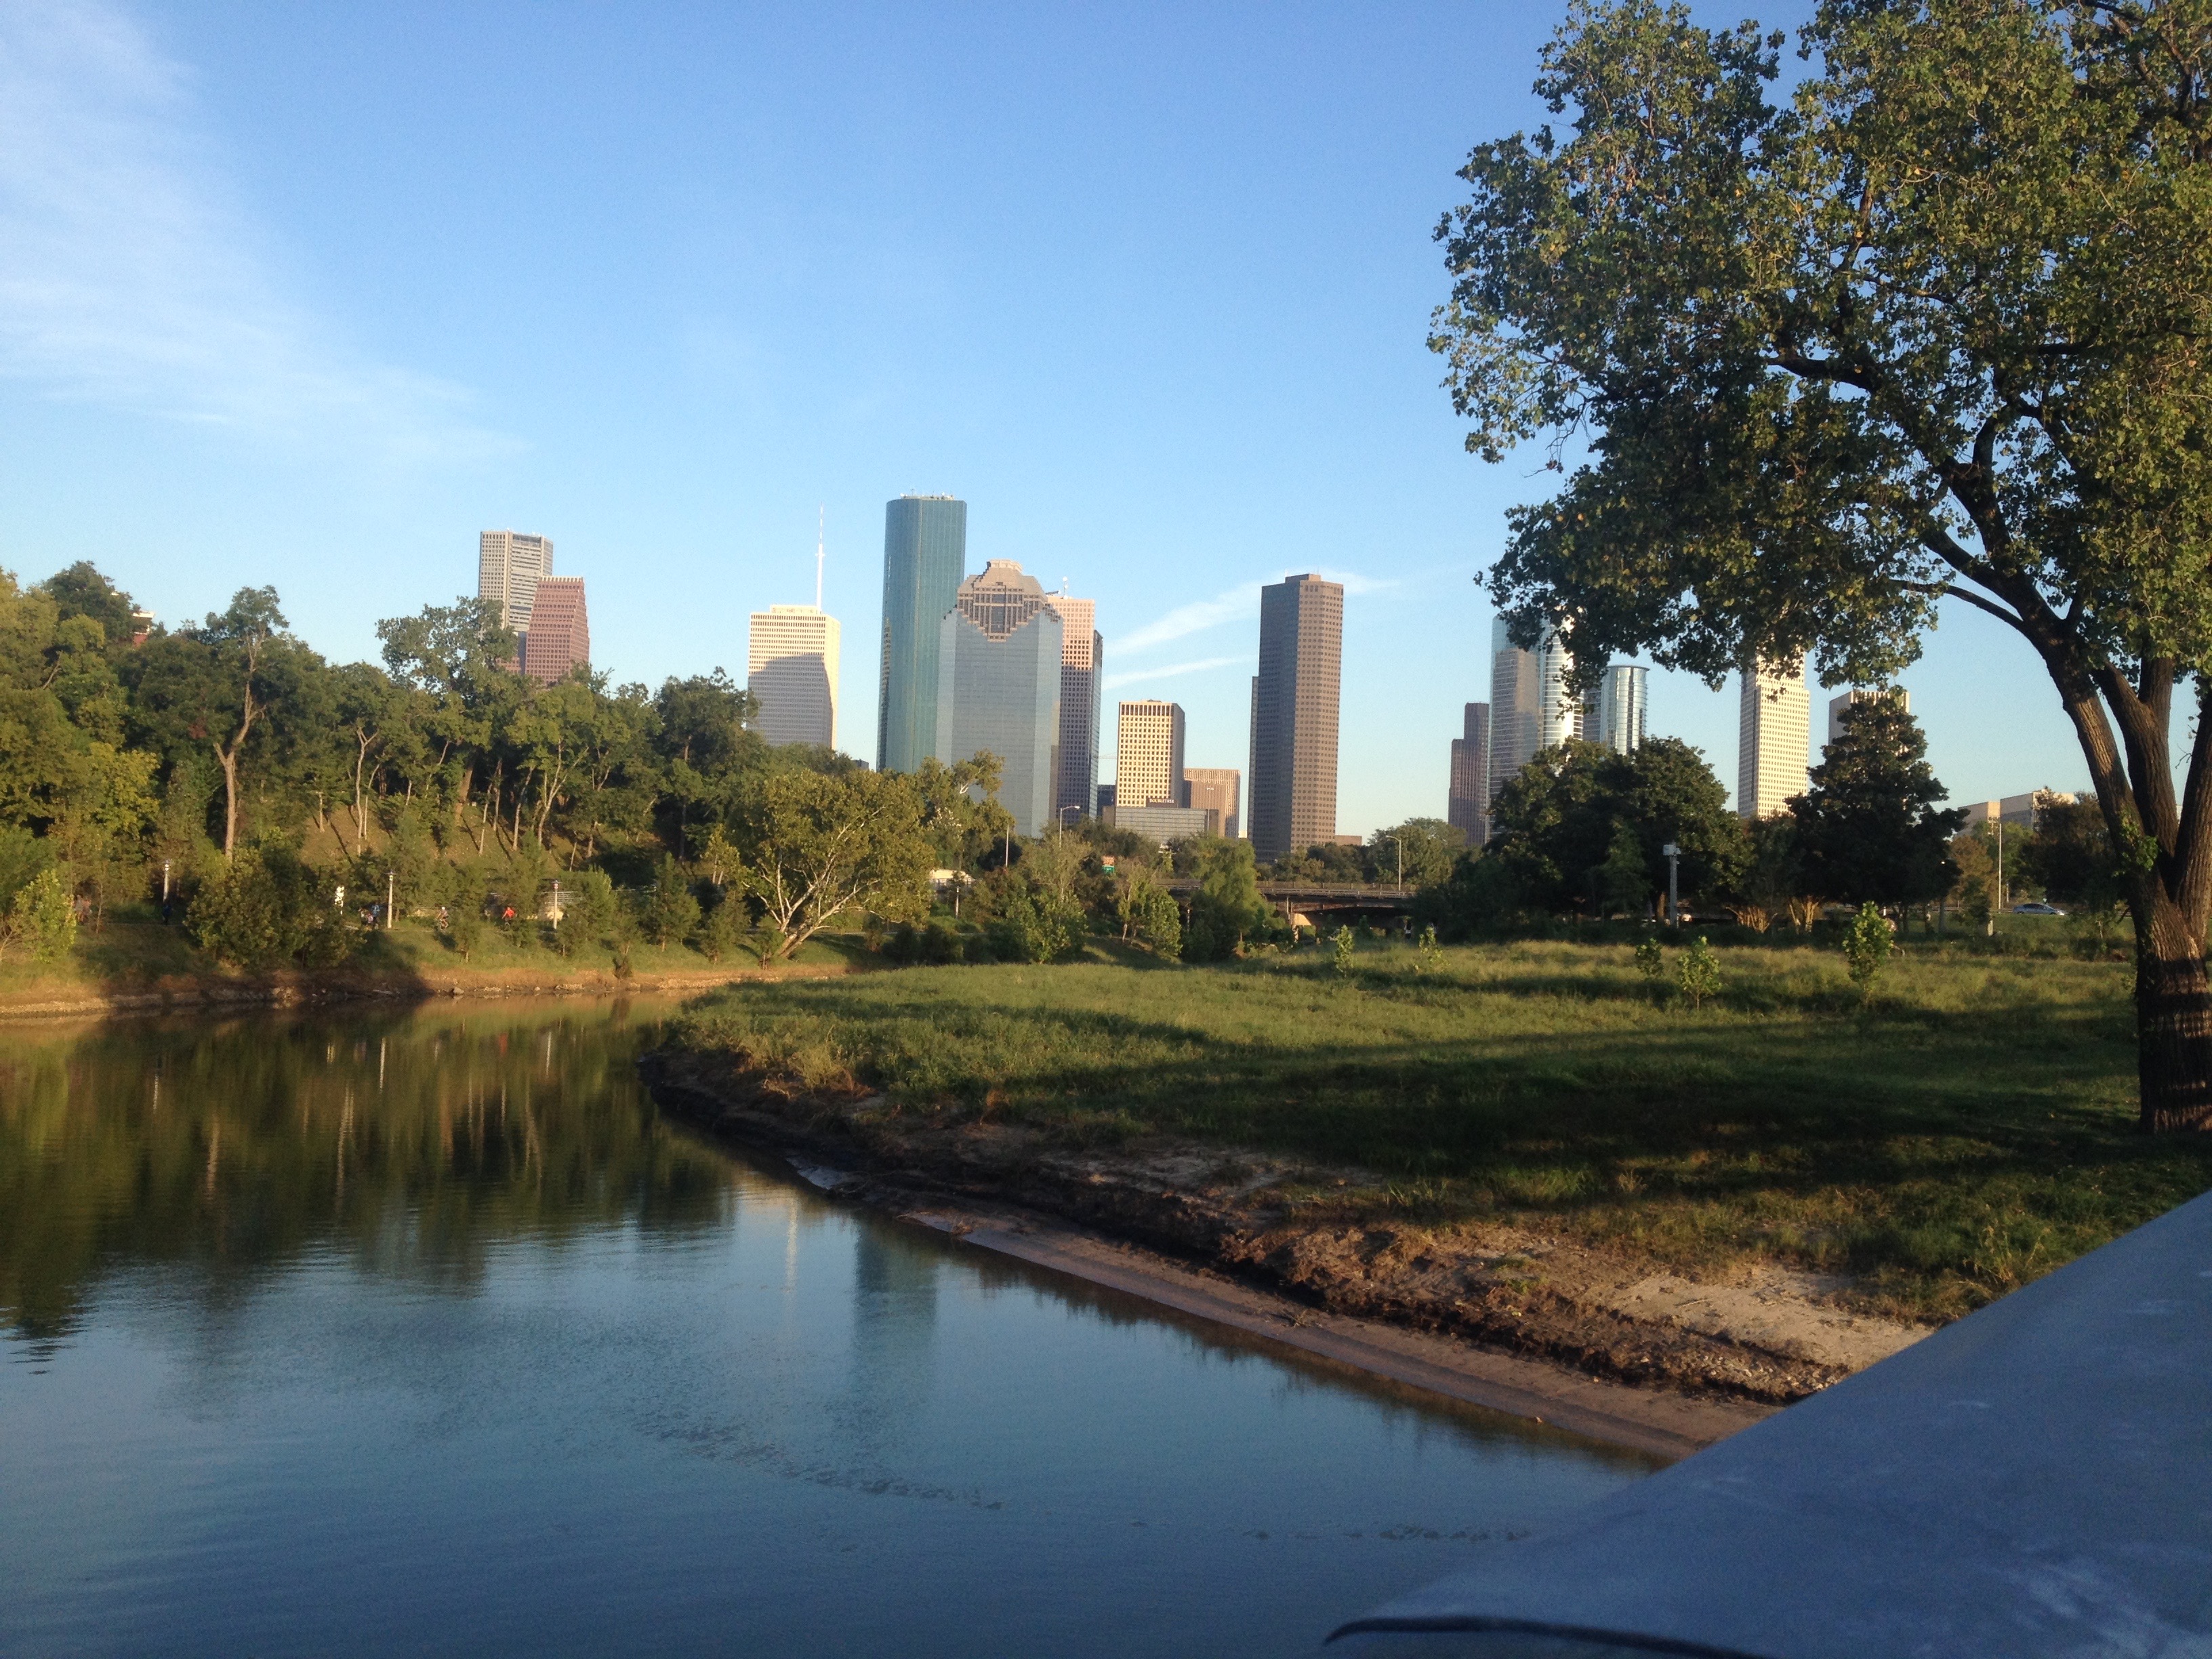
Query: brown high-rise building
<point>1467,806</point>
<point>1294,715</point>
<point>560,636</point>
<point>1216,789</point>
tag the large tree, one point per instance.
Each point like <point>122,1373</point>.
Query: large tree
<point>1557,825</point>
<point>1937,324</point>
<point>1868,829</point>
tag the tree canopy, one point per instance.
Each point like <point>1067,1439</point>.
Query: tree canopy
<point>1935,325</point>
<point>1868,829</point>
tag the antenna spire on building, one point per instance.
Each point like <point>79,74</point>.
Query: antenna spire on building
<point>821,523</point>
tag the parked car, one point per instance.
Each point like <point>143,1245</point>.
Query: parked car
<point>2036,907</point>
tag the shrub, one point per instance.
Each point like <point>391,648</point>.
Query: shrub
<point>724,931</point>
<point>268,907</point>
<point>589,907</point>
<point>1651,960</point>
<point>1031,927</point>
<point>670,911</point>
<point>1867,946</point>
<point>1700,974</point>
<point>1431,957</point>
<point>1345,943</point>
<point>42,916</point>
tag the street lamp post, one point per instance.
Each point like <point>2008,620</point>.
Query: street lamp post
<point>390,891</point>
<point>1673,855</point>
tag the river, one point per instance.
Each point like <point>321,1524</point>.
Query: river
<point>422,1331</point>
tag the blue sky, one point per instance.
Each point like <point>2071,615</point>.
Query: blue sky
<point>309,295</point>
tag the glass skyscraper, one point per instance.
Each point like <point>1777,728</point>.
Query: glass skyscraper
<point>998,686</point>
<point>924,555</point>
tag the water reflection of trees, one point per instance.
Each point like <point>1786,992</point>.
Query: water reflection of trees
<point>414,1142</point>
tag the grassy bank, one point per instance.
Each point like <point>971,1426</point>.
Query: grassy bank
<point>130,957</point>
<point>1969,1128</point>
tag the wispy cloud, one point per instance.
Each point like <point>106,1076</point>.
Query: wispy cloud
<point>1116,681</point>
<point>1241,601</point>
<point>1238,603</point>
<point>130,274</point>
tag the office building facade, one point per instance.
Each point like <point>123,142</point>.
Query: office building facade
<point>1837,706</point>
<point>791,669</point>
<point>1515,697</point>
<point>1219,790</point>
<point>1466,803</point>
<point>559,637</point>
<point>1148,755</point>
<point>1619,708</point>
<point>509,566</point>
<point>1082,664</point>
<point>1162,824</point>
<point>998,686</point>
<point>1295,714</point>
<point>1773,735</point>
<point>924,555</point>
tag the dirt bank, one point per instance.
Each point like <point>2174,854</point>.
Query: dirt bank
<point>1687,1362</point>
<point>46,999</point>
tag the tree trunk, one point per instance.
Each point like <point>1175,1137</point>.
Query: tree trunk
<point>228,760</point>
<point>2173,1019</point>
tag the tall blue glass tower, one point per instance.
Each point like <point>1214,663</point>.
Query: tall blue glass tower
<point>925,556</point>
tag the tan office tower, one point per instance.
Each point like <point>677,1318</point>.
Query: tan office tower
<point>509,566</point>
<point>1148,755</point>
<point>791,669</point>
<point>1515,696</point>
<point>1896,693</point>
<point>560,635</point>
<point>1217,790</point>
<point>1774,733</point>
<point>1466,803</point>
<point>1082,664</point>
<point>1295,718</point>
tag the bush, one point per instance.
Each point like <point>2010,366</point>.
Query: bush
<point>1700,974</point>
<point>723,930</point>
<point>670,911</point>
<point>42,916</point>
<point>22,856</point>
<point>1345,943</point>
<point>1867,946</point>
<point>589,909</point>
<point>1651,960</point>
<point>1031,928</point>
<point>267,908</point>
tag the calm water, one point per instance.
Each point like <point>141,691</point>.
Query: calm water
<point>426,1333</point>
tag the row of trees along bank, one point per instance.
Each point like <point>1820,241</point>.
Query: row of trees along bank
<point>274,797</point>
<point>1581,832</point>
<point>1929,324</point>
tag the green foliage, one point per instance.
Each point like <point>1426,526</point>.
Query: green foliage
<point>22,857</point>
<point>1430,956</point>
<point>723,931</point>
<point>1867,947</point>
<point>591,913</point>
<point>1149,914</point>
<point>42,916</point>
<point>671,911</point>
<point>1581,825</point>
<point>1651,960</point>
<point>1345,943</point>
<point>1482,894</point>
<point>1931,324</point>
<point>820,847</point>
<point>1698,973</point>
<point>1031,924</point>
<point>267,908</point>
<point>1868,830</point>
<point>1430,847</point>
<point>1227,907</point>
<point>2070,856</point>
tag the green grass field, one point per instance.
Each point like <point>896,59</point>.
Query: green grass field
<point>1969,1128</point>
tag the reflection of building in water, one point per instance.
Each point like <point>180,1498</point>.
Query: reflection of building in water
<point>894,1333</point>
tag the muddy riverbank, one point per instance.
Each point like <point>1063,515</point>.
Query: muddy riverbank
<point>1625,1348</point>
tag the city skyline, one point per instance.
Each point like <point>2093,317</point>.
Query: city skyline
<point>303,347</point>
